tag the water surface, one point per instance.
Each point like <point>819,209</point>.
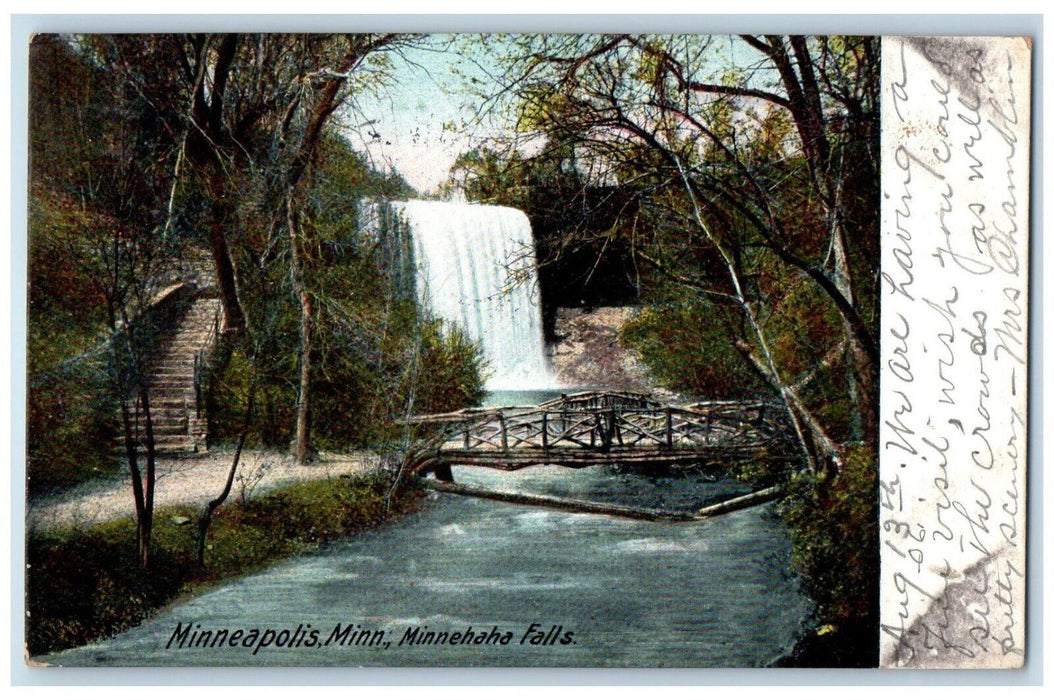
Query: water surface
<point>620,592</point>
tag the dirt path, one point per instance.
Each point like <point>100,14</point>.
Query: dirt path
<point>591,354</point>
<point>193,480</point>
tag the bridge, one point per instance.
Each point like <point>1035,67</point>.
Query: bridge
<point>591,428</point>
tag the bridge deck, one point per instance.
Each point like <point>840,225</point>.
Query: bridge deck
<point>511,460</point>
<point>599,428</point>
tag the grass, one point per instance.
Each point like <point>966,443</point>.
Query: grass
<point>84,583</point>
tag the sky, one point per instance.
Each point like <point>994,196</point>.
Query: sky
<point>423,119</point>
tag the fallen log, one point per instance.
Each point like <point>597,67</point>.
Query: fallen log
<point>613,509</point>
<point>738,503</point>
<point>570,504</point>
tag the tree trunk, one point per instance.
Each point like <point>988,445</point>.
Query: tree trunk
<point>221,211</point>
<point>206,515</point>
<point>205,144</point>
<point>142,484</point>
<point>823,453</point>
<point>302,441</point>
<point>145,535</point>
<point>146,517</point>
<point>132,455</point>
<point>807,110</point>
<point>302,448</point>
<point>808,432</point>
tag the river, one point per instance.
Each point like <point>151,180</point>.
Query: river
<point>600,590</point>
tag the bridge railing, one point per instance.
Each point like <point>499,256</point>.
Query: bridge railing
<point>569,427</point>
<point>590,400</point>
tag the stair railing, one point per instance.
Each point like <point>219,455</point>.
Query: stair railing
<point>201,361</point>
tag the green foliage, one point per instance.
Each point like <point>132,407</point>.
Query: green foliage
<point>416,367</point>
<point>687,350</point>
<point>67,304</point>
<point>70,411</point>
<point>96,261</point>
<point>342,179</point>
<point>375,357</point>
<point>807,344</point>
<point>451,370</point>
<point>314,511</point>
<point>71,418</point>
<point>364,383</point>
<point>541,105</point>
<point>86,583</point>
<point>228,397</point>
<point>834,531</point>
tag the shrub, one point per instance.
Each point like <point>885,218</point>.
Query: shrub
<point>834,532</point>
<point>687,351</point>
<point>86,583</point>
<point>371,359</point>
<point>72,427</point>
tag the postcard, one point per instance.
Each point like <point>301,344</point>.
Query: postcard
<point>527,350</point>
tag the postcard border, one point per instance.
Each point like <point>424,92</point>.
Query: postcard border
<point>23,26</point>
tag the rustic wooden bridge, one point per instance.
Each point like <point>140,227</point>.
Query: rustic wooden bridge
<point>586,429</point>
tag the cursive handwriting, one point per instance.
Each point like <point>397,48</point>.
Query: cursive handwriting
<point>954,350</point>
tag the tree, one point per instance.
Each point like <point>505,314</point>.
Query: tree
<point>99,193</point>
<point>755,190</point>
<point>368,332</point>
<point>244,116</point>
<point>313,109</point>
<point>755,206</point>
<point>225,142</point>
<point>210,508</point>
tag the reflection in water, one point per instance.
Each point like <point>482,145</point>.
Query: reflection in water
<point>598,590</point>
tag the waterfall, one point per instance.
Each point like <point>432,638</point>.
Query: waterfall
<point>475,267</point>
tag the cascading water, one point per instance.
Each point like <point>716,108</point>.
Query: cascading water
<point>475,266</point>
